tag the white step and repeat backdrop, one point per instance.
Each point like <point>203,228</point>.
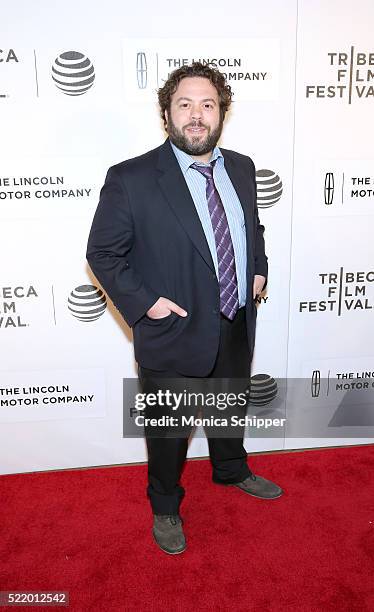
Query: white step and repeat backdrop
<point>303,78</point>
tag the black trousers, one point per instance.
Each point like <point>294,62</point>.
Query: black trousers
<point>166,456</point>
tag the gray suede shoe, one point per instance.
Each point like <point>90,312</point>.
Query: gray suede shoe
<point>259,487</point>
<point>168,533</point>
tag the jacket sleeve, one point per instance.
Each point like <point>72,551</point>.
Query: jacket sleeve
<point>261,260</point>
<point>109,245</point>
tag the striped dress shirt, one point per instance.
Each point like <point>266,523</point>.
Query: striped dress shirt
<point>235,218</point>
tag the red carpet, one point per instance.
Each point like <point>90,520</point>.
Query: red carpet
<point>89,532</point>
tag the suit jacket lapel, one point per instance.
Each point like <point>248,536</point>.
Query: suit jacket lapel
<point>176,192</point>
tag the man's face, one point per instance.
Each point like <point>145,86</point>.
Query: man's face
<point>193,122</point>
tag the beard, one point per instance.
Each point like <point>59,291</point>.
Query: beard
<point>195,145</point>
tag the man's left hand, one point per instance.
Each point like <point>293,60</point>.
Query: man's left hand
<point>258,284</point>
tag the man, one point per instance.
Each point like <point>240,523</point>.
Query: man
<point>177,244</point>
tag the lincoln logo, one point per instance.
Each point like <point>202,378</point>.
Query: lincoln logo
<point>315,384</point>
<point>329,188</point>
<point>141,69</point>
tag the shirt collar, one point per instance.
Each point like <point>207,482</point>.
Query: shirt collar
<point>185,160</point>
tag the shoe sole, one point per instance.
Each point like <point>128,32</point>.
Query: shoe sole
<point>169,552</point>
<point>257,496</point>
<point>223,484</point>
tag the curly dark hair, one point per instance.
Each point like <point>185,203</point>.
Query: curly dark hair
<point>196,69</point>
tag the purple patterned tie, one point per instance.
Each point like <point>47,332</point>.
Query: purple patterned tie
<point>228,284</point>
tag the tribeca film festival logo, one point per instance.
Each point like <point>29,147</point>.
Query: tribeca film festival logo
<point>340,381</point>
<point>336,191</point>
<point>12,299</point>
<point>269,188</point>
<point>344,292</point>
<point>353,74</point>
<point>73,73</point>
<point>87,303</point>
<point>7,56</point>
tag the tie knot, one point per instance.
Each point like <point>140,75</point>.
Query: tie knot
<point>206,171</point>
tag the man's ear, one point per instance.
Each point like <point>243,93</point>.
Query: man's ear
<point>166,119</point>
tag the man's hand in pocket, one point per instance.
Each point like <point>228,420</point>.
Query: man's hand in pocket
<point>163,308</point>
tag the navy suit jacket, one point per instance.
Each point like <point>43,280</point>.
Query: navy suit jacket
<point>147,241</point>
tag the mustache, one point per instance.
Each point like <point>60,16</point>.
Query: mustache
<point>195,124</point>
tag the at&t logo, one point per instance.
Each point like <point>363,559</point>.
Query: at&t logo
<point>87,303</point>
<point>269,188</point>
<point>73,73</point>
